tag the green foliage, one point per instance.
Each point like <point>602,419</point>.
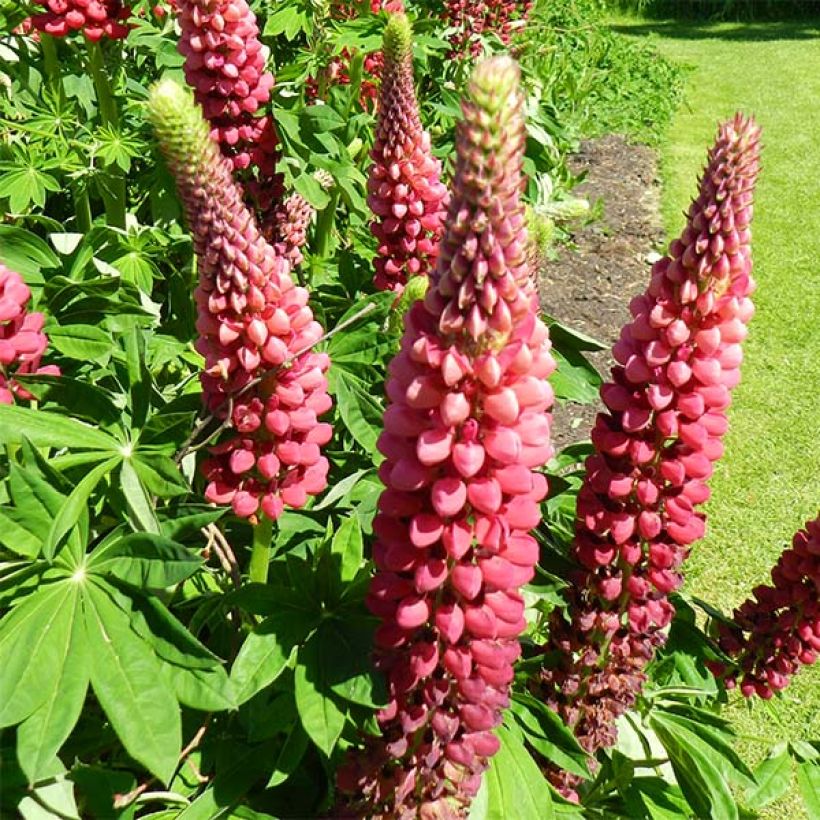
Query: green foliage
<point>592,80</point>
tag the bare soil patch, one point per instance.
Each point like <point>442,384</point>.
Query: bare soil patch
<point>590,285</point>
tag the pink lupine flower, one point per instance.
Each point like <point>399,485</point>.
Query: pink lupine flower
<point>256,332</point>
<point>22,341</point>
<point>94,18</point>
<point>337,71</point>
<point>655,445</point>
<point>473,18</point>
<point>467,426</point>
<point>778,629</point>
<point>404,188</point>
<point>225,65</point>
<point>289,223</point>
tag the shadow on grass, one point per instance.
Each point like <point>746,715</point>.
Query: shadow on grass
<point>694,30</point>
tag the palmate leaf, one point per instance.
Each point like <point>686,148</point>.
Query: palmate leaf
<point>75,504</point>
<point>773,778</point>
<point>51,430</point>
<point>290,756</point>
<point>348,546</point>
<point>33,637</point>
<point>129,685</point>
<point>40,736</point>
<point>702,783</point>
<point>358,407</point>
<point>26,253</point>
<point>144,560</point>
<point>268,648</point>
<point>319,710</point>
<point>808,779</point>
<point>548,734</point>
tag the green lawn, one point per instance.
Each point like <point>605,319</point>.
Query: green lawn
<point>769,482</point>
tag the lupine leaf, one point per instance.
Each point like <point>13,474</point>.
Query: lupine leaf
<point>146,560</point>
<point>319,713</point>
<point>773,777</point>
<point>75,504</point>
<point>348,545</point>
<point>127,681</point>
<point>51,430</point>
<point>41,735</point>
<point>32,639</point>
<point>139,504</point>
<point>266,651</point>
<point>293,750</point>
<point>703,784</point>
<point>513,785</point>
<point>808,778</point>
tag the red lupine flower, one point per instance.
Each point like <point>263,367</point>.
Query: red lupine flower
<point>225,65</point>
<point>467,425</point>
<point>655,446</point>
<point>472,18</point>
<point>404,188</point>
<point>337,71</point>
<point>94,18</point>
<point>778,629</point>
<point>254,324</point>
<point>22,341</point>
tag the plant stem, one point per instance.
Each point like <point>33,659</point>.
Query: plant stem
<point>325,222</point>
<point>260,554</point>
<point>51,63</point>
<point>112,187</point>
<point>82,210</point>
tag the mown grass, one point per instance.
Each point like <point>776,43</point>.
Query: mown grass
<point>769,481</point>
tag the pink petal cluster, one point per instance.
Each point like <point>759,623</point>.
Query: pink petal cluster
<point>256,332</point>
<point>225,65</point>
<point>473,18</point>
<point>778,629</point>
<point>94,18</point>
<point>22,341</point>
<point>467,425</point>
<point>404,185</point>
<point>288,228</point>
<point>655,446</point>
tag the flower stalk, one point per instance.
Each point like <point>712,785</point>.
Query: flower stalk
<point>261,379</point>
<point>677,362</point>
<point>466,429</point>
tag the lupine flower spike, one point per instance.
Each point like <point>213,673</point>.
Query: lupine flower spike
<point>655,445</point>
<point>94,18</point>
<point>288,227</point>
<point>22,341</point>
<point>467,426</point>
<point>253,324</point>
<point>225,65</point>
<point>404,188</point>
<point>778,629</point>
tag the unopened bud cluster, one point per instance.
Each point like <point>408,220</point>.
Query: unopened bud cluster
<point>677,362</point>
<point>256,332</point>
<point>467,426</point>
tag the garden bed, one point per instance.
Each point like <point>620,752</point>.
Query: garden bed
<point>589,285</point>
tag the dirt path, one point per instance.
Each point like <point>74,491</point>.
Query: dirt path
<point>589,288</point>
